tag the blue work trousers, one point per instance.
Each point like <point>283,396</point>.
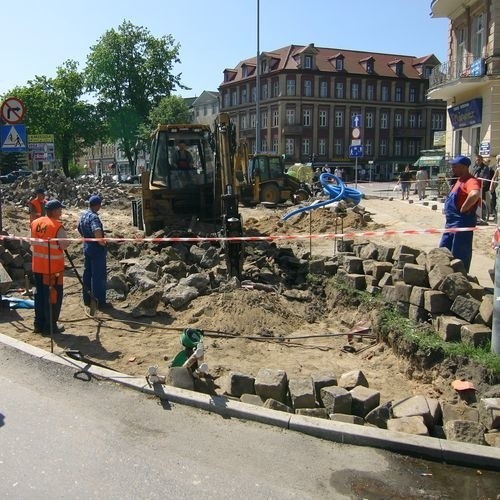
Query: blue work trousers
<point>43,305</point>
<point>94,273</point>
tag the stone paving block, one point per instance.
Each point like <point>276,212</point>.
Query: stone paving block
<point>5,280</point>
<point>313,412</point>
<point>350,380</point>
<point>415,275</point>
<point>404,259</point>
<point>353,265</point>
<point>380,415</point>
<point>388,294</point>
<point>356,281</point>
<point>417,314</point>
<point>336,400</point>
<point>271,384</point>
<point>385,254</point>
<point>492,438</point>
<point>477,291</point>
<point>302,392</point>
<point>181,377</point>
<point>489,412</point>
<point>458,266</point>
<point>414,406</point>
<point>454,284</point>
<point>436,302</point>
<point>476,335</point>
<point>368,266</point>
<point>437,274</point>
<point>369,252</point>
<point>385,280</point>
<point>458,412</point>
<point>448,328</point>
<point>397,274</point>
<point>405,249</point>
<point>348,419</point>
<point>373,290</point>
<point>252,399</point>
<point>240,383</point>
<point>410,425</point>
<point>402,291</point>
<point>272,404</point>
<point>465,431</point>
<point>380,269</point>
<point>320,380</point>
<point>402,308</point>
<point>417,295</point>
<point>364,400</point>
<point>486,309</point>
<point>438,256</point>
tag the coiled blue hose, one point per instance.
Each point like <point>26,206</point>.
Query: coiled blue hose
<point>336,192</point>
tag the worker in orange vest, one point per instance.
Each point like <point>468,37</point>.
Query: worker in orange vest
<point>37,204</point>
<point>48,267</point>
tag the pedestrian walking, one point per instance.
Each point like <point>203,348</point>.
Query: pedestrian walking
<point>94,253</point>
<point>460,210</point>
<point>405,181</point>
<point>47,265</point>
<point>422,179</point>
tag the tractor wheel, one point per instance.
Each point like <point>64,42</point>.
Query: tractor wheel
<point>270,193</point>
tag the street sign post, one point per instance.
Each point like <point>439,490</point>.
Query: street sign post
<point>13,138</point>
<point>356,152</point>
<point>12,110</point>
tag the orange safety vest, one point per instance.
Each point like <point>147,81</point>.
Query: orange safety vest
<point>46,228</point>
<point>37,208</point>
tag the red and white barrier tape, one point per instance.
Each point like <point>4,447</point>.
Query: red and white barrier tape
<point>276,237</point>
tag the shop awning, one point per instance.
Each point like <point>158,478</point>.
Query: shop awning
<point>429,161</point>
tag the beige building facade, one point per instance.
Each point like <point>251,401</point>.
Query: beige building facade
<point>469,81</point>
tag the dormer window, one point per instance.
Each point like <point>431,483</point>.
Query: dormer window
<point>368,64</point>
<point>339,63</point>
<point>397,67</point>
<point>308,60</point>
<point>264,66</point>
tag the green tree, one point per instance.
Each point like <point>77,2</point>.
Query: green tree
<point>130,71</point>
<point>57,106</point>
<point>171,109</point>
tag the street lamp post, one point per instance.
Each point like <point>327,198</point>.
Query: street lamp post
<point>257,85</point>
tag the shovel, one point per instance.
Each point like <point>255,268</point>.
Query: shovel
<point>93,301</point>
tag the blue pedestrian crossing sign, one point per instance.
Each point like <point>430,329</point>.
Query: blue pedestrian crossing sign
<point>13,138</point>
<point>355,151</point>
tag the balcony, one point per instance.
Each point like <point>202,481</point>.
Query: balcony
<point>292,130</point>
<point>454,75</point>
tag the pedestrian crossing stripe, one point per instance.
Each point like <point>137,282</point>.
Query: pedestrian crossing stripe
<point>13,139</point>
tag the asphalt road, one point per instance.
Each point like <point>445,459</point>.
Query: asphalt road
<point>63,437</point>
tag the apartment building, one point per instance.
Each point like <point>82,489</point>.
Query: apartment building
<point>469,80</point>
<point>309,95</point>
<point>205,107</point>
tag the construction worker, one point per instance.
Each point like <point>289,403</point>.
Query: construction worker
<point>48,267</point>
<point>94,253</point>
<point>37,204</point>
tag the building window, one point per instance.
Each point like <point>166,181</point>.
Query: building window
<point>339,118</point>
<point>308,62</point>
<point>234,98</point>
<point>338,147</point>
<point>369,66</point>
<point>308,88</point>
<point>214,108</point>
<point>412,120</point>
<point>420,120</point>
<point>370,92</point>
<point>227,97</point>
<point>368,147</point>
<point>323,89</point>
<point>253,120</point>
<point>276,88</point>
<point>437,121</point>
<point>276,118</point>
<point>355,90</point>
<point>290,87</point>
<point>265,91</point>
<point>263,145</point>
<point>263,117</point>
<point>275,144</point>
<point>461,43</point>
<point>413,94</point>
<point>398,96</point>
<point>398,147</point>
<point>412,148</point>
<point>339,90</point>
<point>369,120</point>
<point>306,146</point>
<point>289,146</point>
<point>385,93</point>
<point>244,96</point>
<point>339,64</point>
<point>306,117</point>
<point>205,110</point>
<point>254,94</point>
<point>398,120</point>
<point>477,36</point>
<point>323,118</point>
<point>322,147</point>
<point>243,122</point>
<point>382,148</point>
<point>384,120</point>
<point>290,116</point>
<point>264,67</point>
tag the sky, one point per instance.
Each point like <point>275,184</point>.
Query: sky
<point>38,36</point>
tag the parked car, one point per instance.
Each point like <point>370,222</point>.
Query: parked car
<point>7,178</point>
<point>21,173</point>
<point>132,179</point>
